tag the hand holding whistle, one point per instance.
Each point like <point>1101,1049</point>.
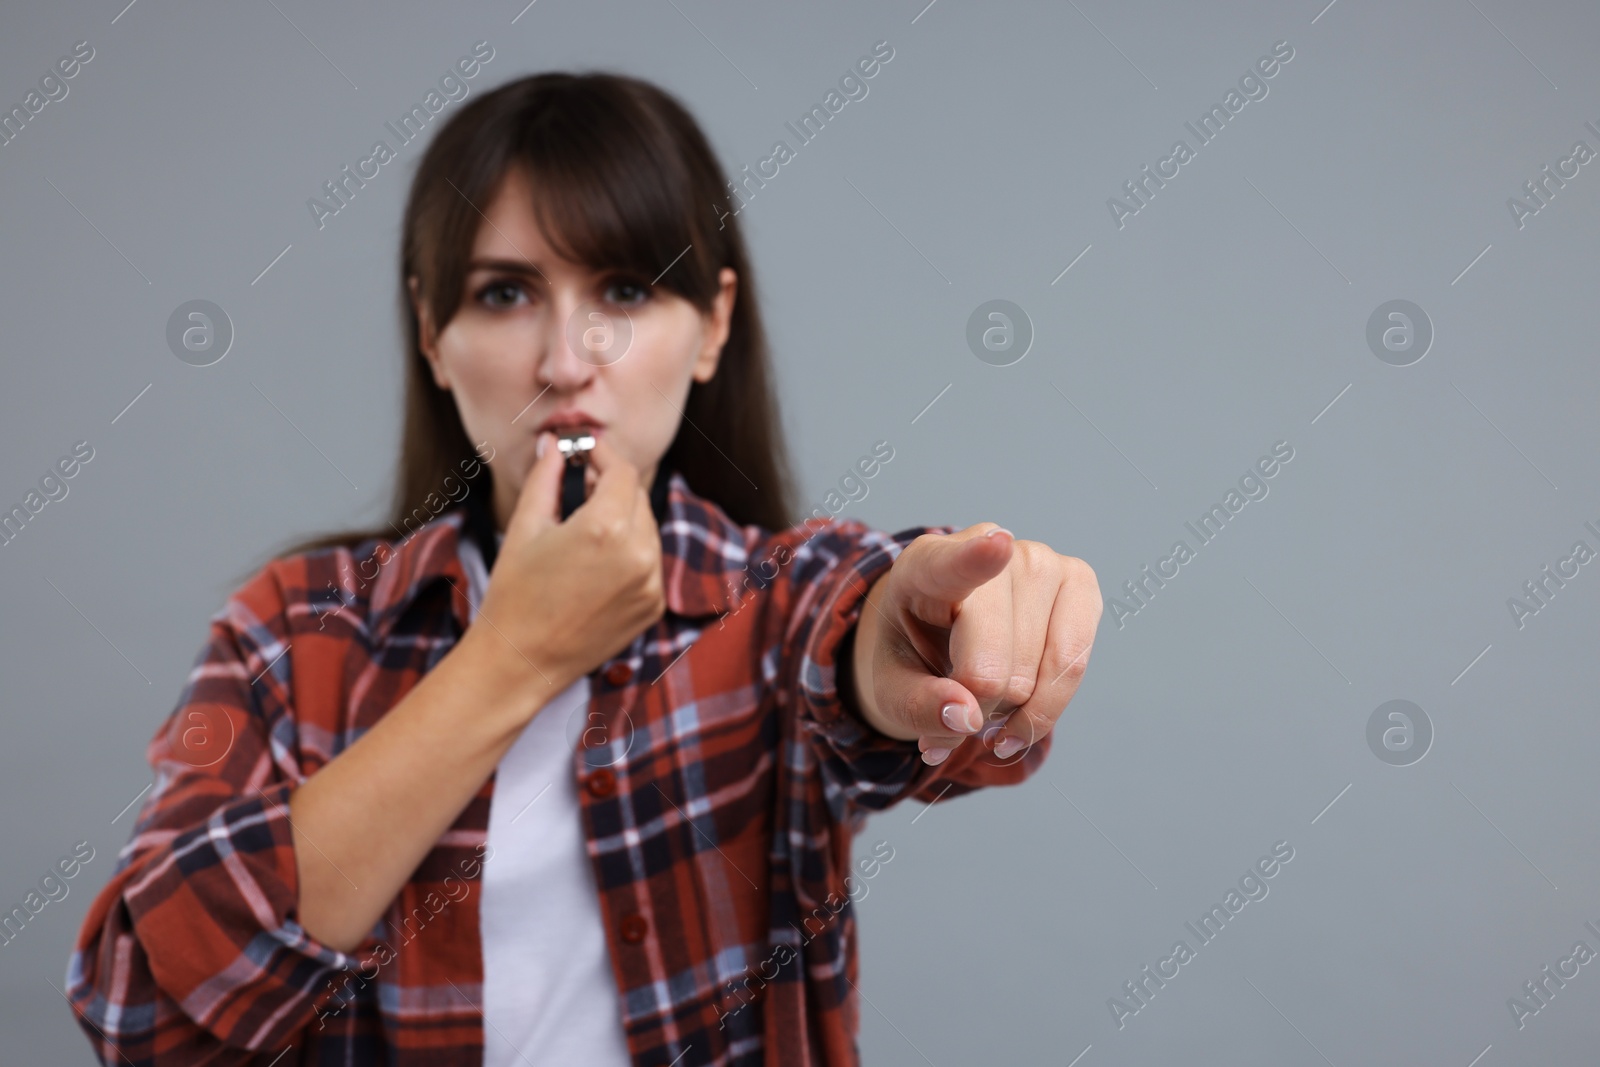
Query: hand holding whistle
<point>565,596</point>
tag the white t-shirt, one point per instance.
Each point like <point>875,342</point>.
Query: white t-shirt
<point>549,995</point>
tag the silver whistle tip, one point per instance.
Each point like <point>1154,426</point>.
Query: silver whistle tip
<point>573,443</point>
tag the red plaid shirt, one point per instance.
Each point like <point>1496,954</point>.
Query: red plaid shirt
<point>718,812</point>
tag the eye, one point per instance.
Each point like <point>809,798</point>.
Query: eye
<point>627,292</point>
<point>500,293</point>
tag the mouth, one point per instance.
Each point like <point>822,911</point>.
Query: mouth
<point>570,422</point>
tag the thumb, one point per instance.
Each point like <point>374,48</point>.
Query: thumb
<point>936,572</point>
<point>539,501</point>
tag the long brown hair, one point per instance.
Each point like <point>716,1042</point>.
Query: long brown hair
<point>624,180</point>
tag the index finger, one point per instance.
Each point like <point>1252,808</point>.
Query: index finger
<point>936,572</point>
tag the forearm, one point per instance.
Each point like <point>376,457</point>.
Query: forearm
<point>364,821</point>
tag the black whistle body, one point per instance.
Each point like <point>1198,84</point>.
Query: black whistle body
<point>575,446</point>
<point>571,487</point>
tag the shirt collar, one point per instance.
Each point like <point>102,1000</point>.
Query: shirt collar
<point>703,555</point>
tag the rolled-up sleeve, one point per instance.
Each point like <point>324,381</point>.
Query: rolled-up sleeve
<point>192,952</point>
<point>863,770</point>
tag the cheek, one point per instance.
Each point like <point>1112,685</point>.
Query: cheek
<point>652,382</point>
<point>490,385</point>
<point>645,402</point>
<point>488,370</point>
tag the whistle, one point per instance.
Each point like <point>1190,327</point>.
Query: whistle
<point>575,446</point>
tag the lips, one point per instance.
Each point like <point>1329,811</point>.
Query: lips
<point>570,420</point>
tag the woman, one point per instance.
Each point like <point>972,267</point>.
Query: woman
<point>490,786</point>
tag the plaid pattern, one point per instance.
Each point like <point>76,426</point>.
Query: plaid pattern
<point>718,810</point>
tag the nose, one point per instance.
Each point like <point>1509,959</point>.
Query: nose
<point>566,364</point>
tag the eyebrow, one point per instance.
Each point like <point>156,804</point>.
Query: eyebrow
<point>508,266</point>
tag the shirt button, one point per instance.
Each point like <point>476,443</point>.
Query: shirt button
<point>602,783</point>
<point>619,674</point>
<point>633,928</point>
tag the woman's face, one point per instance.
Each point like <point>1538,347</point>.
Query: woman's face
<point>540,342</point>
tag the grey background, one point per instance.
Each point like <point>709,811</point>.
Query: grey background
<point>1226,316</point>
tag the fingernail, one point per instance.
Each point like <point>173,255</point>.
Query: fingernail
<point>1007,747</point>
<point>935,755</point>
<point>541,443</point>
<point>961,718</point>
<point>999,530</point>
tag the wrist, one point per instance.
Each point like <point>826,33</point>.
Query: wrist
<point>490,659</point>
